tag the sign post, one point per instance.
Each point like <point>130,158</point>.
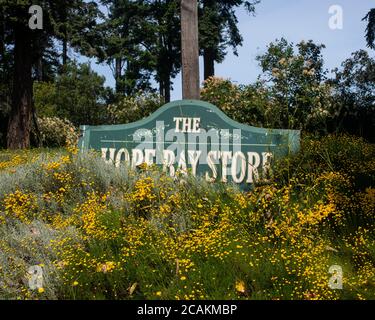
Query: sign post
<point>190,49</point>
<point>191,136</point>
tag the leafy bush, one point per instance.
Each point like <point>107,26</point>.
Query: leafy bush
<point>78,94</point>
<point>293,92</point>
<point>246,104</point>
<point>133,108</point>
<point>295,76</point>
<point>56,132</point>
<point>354,106</point>
<point>349,155</point>
<point>257,105</point>
<point>45,98</point>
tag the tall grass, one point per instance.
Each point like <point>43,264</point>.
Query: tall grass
<point>101,232</point>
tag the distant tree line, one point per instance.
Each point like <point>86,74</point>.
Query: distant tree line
<point>138,39</point>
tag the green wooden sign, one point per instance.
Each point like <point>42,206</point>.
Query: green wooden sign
<point>193,136</point>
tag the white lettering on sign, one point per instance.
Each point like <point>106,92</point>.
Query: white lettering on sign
<point>216,153</point>
<point>193,137</point>
<point>211,158</point>
<point>239,166</point>
<point>253,165</point>
<point>238,158</point>
<point>187,125</point>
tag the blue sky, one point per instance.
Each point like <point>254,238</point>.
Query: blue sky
<point>294,20</point>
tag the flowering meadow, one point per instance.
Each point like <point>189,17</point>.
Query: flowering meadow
<point>100,232</point>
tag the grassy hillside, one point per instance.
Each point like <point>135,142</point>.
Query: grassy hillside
<point>98,232</point>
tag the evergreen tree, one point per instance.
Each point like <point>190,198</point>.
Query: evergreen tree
<point>78,94</point>
<point>126,35</point>
<point>29,50</point>
<point>141,39</point>
<point>166,48</point>
<point>370,29</point>
<point>218,30</point>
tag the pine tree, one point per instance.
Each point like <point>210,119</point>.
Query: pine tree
<point>167,43</point>
<point>126,38</point>
<point>218,30</point>
<point>370,29</point>
<point>30,49</point>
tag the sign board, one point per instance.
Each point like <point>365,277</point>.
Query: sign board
<point>193,136</point>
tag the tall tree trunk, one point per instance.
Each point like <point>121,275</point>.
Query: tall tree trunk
<point>39,59</point>
<point>209,63</point>
<point>167,89</point>
<point>64,19</point>
<point>65,52</point>
<point>190,49</point>
<point>2,35</point>
<point>161,87</point>
<point>39,69</point>
<point>208,53</point>
<point>19,125</point>
<point>118,74</point>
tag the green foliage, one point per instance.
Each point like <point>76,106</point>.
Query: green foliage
<point>166,43</point>
<point>6,71</point>
<point>56,132</point>
<point>141,39</point>
<point>348,155</point>
<point>218,25</point>
<point>76,25</point>
<point>293,92</point>
<point>257,105</point>
<point>218,28</point>
<point>133,108</point>
<point>71,21</point>
<point>45,96</point>
<point>295,80</point>
<point>354,84</point>
<point>370,29</point>
<point>246,104</point>
<point>4,112</point>
<point>123,234</point>
<point>123,32</point>
<point>78,95</point>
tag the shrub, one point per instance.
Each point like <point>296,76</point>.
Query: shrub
<point>77,94</point>
<point>56,132</point>
<point>133,108</point>
<point>345,154</point>
<point>257,105</point>
<point>45,98</point>
<point>23,246</point>
<point>123,234</point>
<point>246,104</point>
